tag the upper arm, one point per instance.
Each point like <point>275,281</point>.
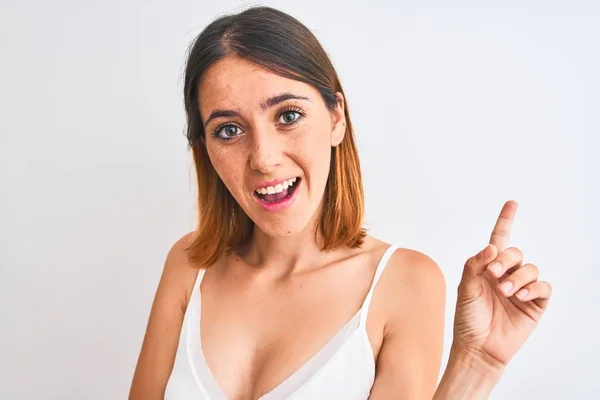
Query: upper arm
<point>159,346</point>
<point>409,361</point>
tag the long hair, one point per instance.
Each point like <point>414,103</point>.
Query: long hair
<point>280,43</point>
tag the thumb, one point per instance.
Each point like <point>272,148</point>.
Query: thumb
<point>475,266</point>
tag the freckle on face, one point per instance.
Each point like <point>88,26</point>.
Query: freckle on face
<point>234,84</point>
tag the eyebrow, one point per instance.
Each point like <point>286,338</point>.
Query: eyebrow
<point>264,106</point>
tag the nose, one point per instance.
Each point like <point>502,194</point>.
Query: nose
<point>266,152</point>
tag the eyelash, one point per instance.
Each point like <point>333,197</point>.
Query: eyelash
<point>285,111</point>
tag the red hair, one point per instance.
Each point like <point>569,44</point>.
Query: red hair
<point>282,44</point>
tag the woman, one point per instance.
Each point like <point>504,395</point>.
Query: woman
<point>280,293</point>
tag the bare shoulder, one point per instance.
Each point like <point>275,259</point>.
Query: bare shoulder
<point>407,272</point>
<point>410,276</point>
<point>412,287</point>
<point>177,250</point>
<point>411,298</point>
<point>178,273</point>
<point>411,282</point>
<point>159,345</point>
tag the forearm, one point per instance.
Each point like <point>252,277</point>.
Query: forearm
<point>467,378</point>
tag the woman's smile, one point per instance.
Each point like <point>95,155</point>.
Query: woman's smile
<point>278,197</point>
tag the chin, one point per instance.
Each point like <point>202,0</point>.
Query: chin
<point>281,230</point>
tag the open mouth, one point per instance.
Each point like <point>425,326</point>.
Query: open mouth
<point>273,198</point>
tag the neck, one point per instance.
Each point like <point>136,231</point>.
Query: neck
<point>285,255</point>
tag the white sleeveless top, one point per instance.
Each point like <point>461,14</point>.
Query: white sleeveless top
<point>343,368</point>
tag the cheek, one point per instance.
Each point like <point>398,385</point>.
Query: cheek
<point>226,165</point>
<point>314,151</point>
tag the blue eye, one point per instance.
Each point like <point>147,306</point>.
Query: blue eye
<point>289,117</point>
<point>226,132</point>
<point>229,131</point>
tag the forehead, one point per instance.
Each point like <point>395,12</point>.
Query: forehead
<point>236,83</point>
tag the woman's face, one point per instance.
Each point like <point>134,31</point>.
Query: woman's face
<point>263,130</point>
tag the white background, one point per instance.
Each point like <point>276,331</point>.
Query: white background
<point>457,109</point>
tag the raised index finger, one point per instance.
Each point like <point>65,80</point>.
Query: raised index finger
<point>501,233</point>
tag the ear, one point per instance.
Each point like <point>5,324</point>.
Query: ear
<point>338,121</point>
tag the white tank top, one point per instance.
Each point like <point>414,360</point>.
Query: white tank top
<point>343,368</point>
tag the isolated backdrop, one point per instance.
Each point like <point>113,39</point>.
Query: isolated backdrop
<point>458,107</point>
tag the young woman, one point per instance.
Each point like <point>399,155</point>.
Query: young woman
<point>280,293</point>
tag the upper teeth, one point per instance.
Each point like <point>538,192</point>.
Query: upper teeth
<point>280,187</point>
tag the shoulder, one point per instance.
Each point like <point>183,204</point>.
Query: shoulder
<point>179,274</point>
<point>177,252</point>
<point>411,296</point>
<point>405,267</point>
<point>412,286</point>
<point>161,339</point>
<point>417,269</point>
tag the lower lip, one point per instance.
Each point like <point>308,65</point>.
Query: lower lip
<point>280,205</point>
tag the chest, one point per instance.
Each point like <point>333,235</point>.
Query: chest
<point>254,337</point>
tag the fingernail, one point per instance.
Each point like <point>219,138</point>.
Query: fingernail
<point>506,286</point>
<point>495,268</point>
<point>522,293</point>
